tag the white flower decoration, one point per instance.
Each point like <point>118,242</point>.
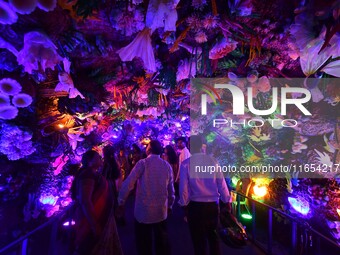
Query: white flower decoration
<point>7,15</point>
<point>8,112</point>
<point>66,82</point>
<point>9,86</point>
<point>74,138</point>
<point>22,100</point>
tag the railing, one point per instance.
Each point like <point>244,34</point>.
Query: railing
<point>295,223</point>
<point>23,241</point>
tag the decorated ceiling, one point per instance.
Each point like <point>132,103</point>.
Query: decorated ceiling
<point>81,74</point>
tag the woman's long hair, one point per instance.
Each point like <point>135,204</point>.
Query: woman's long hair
<point>110,167</point>
<point>172,156</point>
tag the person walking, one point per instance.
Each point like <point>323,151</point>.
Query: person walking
<point>200,192</point>
<point>96,231</point>
<point>154,199</point>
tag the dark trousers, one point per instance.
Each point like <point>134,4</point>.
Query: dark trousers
<point>146,232</point>
<point>203,222</point>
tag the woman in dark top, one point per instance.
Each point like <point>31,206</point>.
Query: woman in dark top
<point>171,156</point>
<point>110,169</point>
<point>96,231</point>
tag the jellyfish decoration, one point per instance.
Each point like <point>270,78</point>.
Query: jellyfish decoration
<point>7,15</point>
<point>23,6</point>
<point>299,204</point>
<point>47,5</point>
<point>28,6</point>
<point>38,50</point>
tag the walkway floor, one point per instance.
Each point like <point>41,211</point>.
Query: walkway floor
<point>179,235</point>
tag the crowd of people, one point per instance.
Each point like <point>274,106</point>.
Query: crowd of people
<point>102,187</point>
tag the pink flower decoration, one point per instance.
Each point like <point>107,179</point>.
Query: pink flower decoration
<point>222,48</point>
<point>22,100</point>
<point>201,37</point>
<point>210,21</point>
<point>8,112</point>
<point>7,15</point>
<point>59,163</point>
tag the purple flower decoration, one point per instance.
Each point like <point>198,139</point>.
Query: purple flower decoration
<point>22,100</point>
<point>9,86</point>
<point>4,100</point>
<point>8,112</point>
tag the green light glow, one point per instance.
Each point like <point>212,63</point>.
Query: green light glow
<point>246,216</point>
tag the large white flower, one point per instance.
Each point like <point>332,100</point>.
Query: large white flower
<point>4,100</point>
<point>140,47</point>
<point>22,100</point>
<point>8,112</point>
<point>24,6</point>
<point>9,86</point>
<point>7,15</point>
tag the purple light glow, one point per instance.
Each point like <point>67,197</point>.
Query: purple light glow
<point>67,223</point>
<point>299,204</point>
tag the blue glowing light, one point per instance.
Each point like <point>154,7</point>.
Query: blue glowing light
<point>48,200</point>
<point>299,204</point>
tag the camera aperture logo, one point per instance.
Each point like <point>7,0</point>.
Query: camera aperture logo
<point>277,105</point>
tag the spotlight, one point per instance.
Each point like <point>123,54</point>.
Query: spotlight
<point>67,223</point>
<point>235,180</point>
<point>299,204</point>
<point>260,190</point>
<point>246,216</point>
